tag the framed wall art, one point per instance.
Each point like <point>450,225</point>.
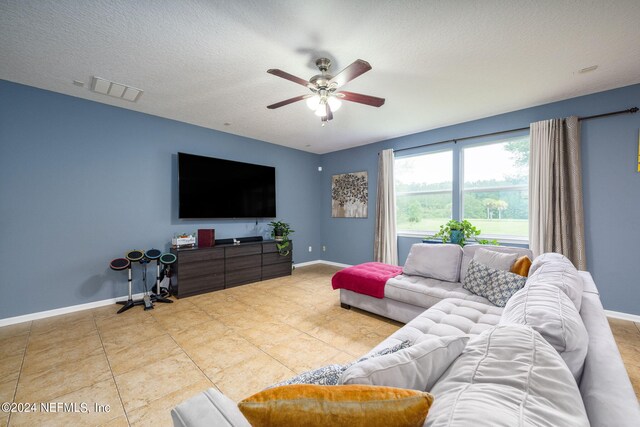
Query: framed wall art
<point>349,195</point>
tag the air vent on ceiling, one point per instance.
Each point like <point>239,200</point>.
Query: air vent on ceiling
<point>117,90</point>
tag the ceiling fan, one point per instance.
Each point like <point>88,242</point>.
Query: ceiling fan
<point>324,98</point>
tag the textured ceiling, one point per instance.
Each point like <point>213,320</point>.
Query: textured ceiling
<point>437,63</point>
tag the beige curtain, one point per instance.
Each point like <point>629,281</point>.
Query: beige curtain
<point>386,245</point>
<point>556,220</point>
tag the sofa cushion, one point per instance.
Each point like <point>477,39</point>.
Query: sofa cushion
<point>507,376</point>
<point>495,285</point>
<point>469,251</point>
<point>417,367</point>
<point>346,405</point>
<point>546,257</point>
<point>550,312</point>
<point>561,274</point>
<point>209,408</point>
<point>451,316</point>
<point>424,292</point>
<point>435,261</point>
<point>493,259</point>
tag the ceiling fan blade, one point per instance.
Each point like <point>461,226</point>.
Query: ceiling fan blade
<point>351,72</point>
<point>288,76</point>
<point>360,98</point>
<point>288,101</point>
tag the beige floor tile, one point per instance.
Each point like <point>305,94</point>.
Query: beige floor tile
<point>267,334</point>
<point>624,330</point>
<point>15,330</point>
<point>62,379</point>
<point>217,309</point>
<point>124,357</point>
<point>221,353</point>
<point>4,419</point>
<point>85,411</point>
<point>201,334</point>
<point>155,380</point>
<point>182,319</point>
<point>176,306</point>
<point>10,367</point>
<point>117,422</point>
<point>158,412</point>
<point>251,376</point>
<point>130,332</point>
<point>8,390</point>
<point>67,332</point>
<point>13,346</point>
<point>342,333</point>
<point>79,322</point>
<point>303,354</point>
<point>43,353</point>
<point>630,353</point>
<point>245,320</point>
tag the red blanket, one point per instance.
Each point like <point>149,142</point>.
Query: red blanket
<point>368,278</point>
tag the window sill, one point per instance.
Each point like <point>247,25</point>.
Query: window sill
<point>501,239</point>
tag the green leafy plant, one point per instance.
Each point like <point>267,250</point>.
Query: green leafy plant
<point>460,232</point>
<point>280,232</point>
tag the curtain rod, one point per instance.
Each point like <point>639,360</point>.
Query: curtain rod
<point>597,116</point>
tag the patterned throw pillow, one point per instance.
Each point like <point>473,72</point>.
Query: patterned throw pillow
<point>330,374</point>
<point>495,285</point>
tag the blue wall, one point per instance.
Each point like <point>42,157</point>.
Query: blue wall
<point>82,183</point>
<point>611,188</point>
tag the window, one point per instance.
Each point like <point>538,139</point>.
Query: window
<point>493,189</point>
<point>423,191</point>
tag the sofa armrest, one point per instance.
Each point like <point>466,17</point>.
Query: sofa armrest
<point>209,408</point>
<point>605,386</point>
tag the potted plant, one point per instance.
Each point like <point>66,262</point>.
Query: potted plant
<point>280,233</point>
<point>459,232</point>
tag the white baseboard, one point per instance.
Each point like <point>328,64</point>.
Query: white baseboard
<point>321,261</point>
<point>622,316</point>
<point>64,310</point>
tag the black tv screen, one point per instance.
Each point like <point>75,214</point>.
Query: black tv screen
<point>218,188</point>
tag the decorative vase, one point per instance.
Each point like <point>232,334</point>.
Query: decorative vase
<point>456,236</point>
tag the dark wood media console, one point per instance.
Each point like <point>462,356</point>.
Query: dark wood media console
<point>201,270</point>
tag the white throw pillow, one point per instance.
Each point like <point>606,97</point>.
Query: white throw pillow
<point>438,261</point>
<point>549,311</point>
<point>561,274</point>
<point>507,376</point>
<point>417,367</point>
<point>494,259</point>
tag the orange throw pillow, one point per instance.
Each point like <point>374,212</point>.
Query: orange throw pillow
<point>521,266</point>
<point>336,405</point>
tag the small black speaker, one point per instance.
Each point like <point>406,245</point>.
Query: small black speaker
<point>224,241</point>
<point>250,239</point>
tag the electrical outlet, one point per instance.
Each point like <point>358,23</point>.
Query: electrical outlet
<point>324,248</point>
<point>310,248</point>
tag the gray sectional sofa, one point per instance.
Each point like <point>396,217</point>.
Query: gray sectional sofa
<point>547,358</point>
<point>407,296</point>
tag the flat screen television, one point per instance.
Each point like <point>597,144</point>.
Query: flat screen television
<point>218,188</point>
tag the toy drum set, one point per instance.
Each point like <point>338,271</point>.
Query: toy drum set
<point>163,269</point>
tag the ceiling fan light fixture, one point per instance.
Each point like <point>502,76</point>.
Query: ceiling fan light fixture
<point>313,102</point>
<point>334,103</point>
<point>321,111</point>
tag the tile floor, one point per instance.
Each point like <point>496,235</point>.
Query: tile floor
<point>240,340</point>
